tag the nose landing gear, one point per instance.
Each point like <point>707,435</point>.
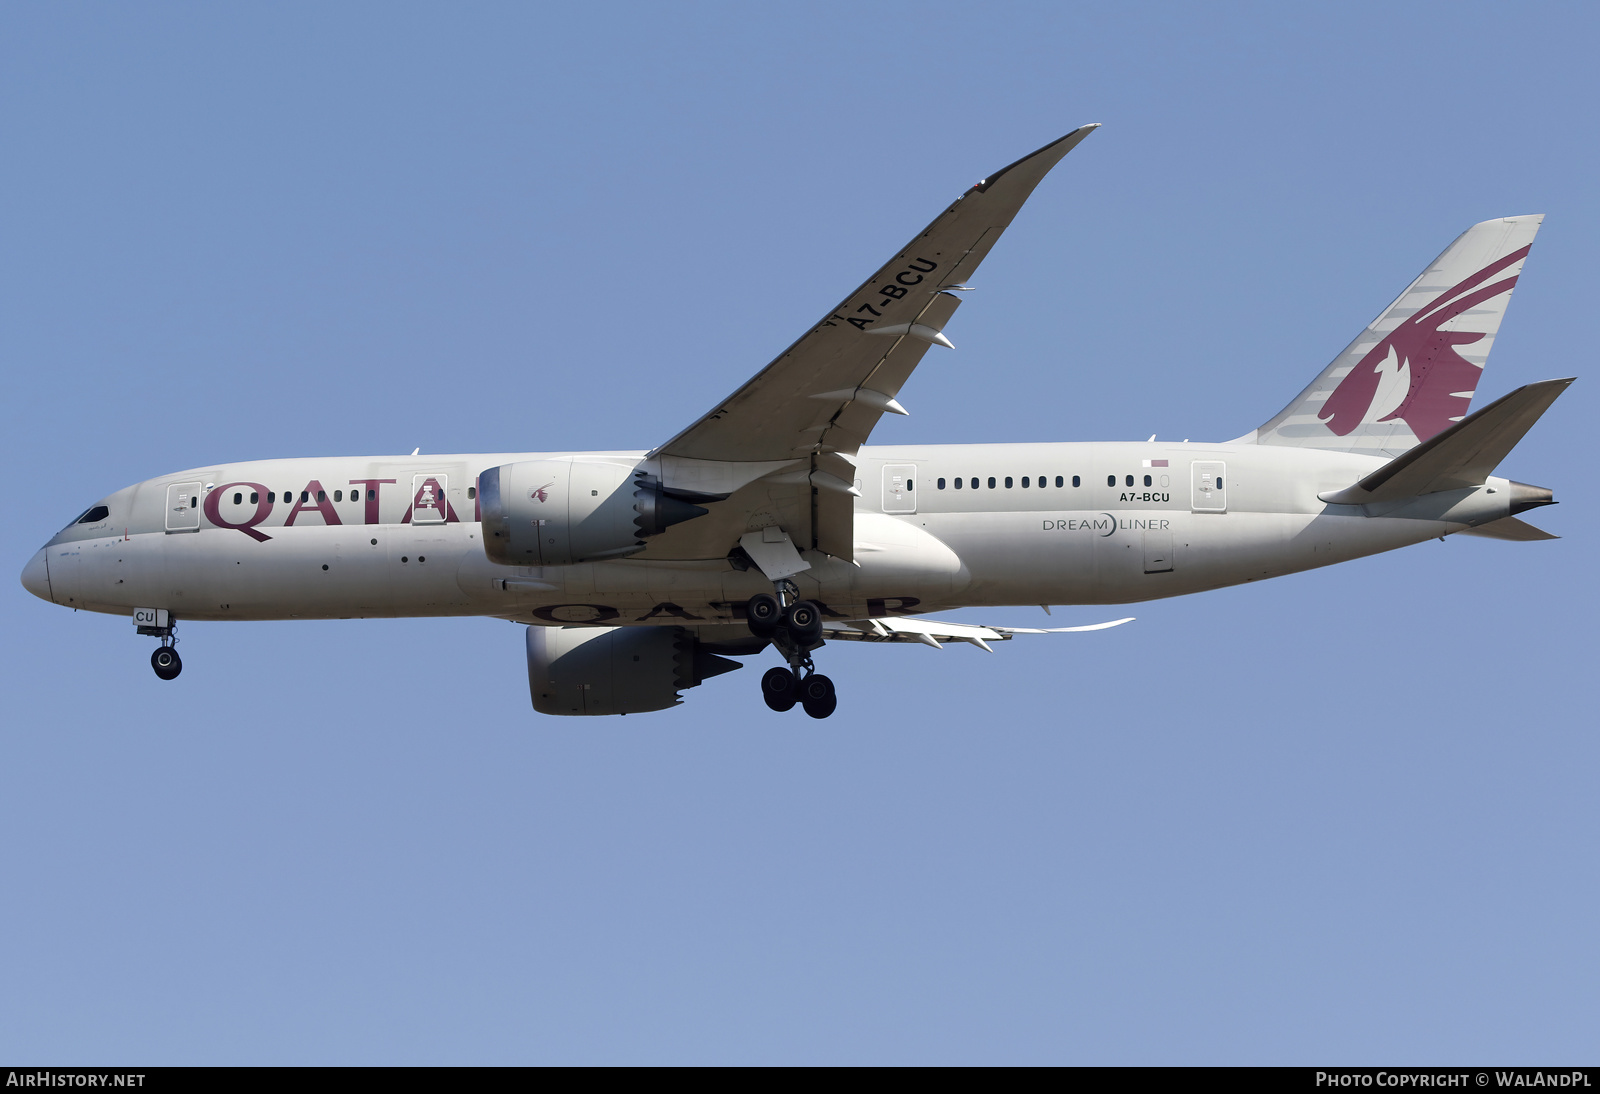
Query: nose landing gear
<point>159,624</point>
<point>795,629</point>
<point>166,662</point>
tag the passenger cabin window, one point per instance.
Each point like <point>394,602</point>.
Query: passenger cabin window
<point>94,516</point>
<point>271,497</point>
<point>1130,480</point>
<point>238,499</point>
<point>1111,480</point>
<point>991,482</point>
<point>1025,482</point>
<point>1147,480</point>
<point>1075,480</point>
<point>974,484</point>
<point>338,495</point>
<point>941,484</point>
<point>322,496</point>
<point>255,497</point>
<point>472,492</point>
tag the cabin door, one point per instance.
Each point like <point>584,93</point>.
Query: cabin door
<point>1210,492</point>
<point>429,501</point>
<point>183,507</point>
<point>899,488</point>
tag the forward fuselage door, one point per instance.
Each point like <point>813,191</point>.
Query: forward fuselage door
<point>1210,492</point>
<point>183,507</point>
<point>899,488</point>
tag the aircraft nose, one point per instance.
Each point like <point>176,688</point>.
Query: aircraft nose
<point>36,576</point>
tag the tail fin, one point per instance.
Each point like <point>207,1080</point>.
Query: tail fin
<point>1412,373</point>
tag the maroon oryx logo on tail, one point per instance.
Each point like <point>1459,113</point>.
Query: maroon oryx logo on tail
<point>1441,381</point>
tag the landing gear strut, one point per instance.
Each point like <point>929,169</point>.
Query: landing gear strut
<point>165,659</point>
<point>795,627</point>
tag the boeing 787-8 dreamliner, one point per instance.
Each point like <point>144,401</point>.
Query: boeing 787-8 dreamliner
<point>771,522</point>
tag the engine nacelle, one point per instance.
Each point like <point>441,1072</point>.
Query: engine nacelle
<point>615,670</point>
<point>557,512</point>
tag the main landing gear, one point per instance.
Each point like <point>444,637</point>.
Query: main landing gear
<point>795,627</point>
<point>165,659</point>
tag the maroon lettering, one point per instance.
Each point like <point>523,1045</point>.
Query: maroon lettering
<point>316,499</point>
<point>212,508</point>
<point>373,488</point>
<point>671,609</point>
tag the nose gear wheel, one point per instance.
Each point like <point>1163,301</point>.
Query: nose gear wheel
<point>166,662</point>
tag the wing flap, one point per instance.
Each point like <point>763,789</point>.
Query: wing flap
<point>934,632</point>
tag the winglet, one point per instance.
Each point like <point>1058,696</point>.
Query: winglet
<point>984,185</point>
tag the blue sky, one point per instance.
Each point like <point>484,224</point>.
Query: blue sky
<point>1346,816</point>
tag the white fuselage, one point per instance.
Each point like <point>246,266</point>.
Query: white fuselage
<point>237,541</point>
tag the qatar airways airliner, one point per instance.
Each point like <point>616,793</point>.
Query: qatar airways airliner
<point>771,523</point>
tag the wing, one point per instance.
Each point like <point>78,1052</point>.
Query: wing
<point>777,452</point>
<point>931,632</point>
<point>827,390</point>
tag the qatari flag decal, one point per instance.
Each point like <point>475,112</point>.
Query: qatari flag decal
<point>1155,463</point>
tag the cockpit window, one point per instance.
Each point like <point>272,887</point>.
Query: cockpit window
<point>94,516</point>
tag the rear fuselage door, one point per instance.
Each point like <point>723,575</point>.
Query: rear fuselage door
<point>183,507</point>
<point>899,488</point>
<point>1210,494</point>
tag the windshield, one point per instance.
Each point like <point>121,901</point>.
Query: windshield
<point>93,515</point>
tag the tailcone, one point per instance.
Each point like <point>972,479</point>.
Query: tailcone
<point>1525,497</point>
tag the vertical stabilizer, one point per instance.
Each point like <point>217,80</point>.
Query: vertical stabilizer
<point>1412,373</point>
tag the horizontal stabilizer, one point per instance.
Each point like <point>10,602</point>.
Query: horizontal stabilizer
<point>1509,528</point>
<point>1463,456</point>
